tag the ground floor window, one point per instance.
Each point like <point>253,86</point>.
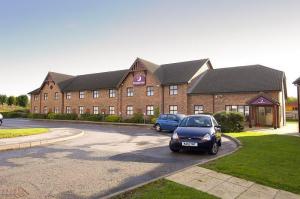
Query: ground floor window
<point>56,110</point>
<point>45,109</point>
<point>68,109</point>
<point>173,109</point>
<point>35,109</point>
<point>111,110</point>
<point>150,110</point>
<point>243,109</point>
<point>81,110</point>
<point>198,109</point>
<point>96,110</point>
<point>129,110</point>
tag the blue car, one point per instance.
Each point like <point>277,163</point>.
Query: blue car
<point>168,122</point>
<point>198,132</point>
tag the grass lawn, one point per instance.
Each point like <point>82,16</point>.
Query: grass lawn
<point>10,133</point>
<point>164,189</point>
<point>268,159</point>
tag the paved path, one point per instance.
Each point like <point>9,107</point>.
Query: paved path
<point>291,128</point>
<point>105,160</point>
<point>226,186</point>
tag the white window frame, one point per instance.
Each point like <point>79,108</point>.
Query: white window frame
<point>36,97</point>
<point>96,110</point>
<point>129,110</point>
<point>173,89</point>
<point>56,96</point>
<point>68,110</point>
<point>68,95</point>
<point>81,110</point>
<point>45,110</point>
<point>130,92</point>
<point>173,109</point>
<point>95,94</point>
<point>112,93</point>
<point>149,110</point>
<point>150,90</point>
<point>35,109</point>
<point>198,109</point>
<point>81,94</point>
<point>45,96</point>
<point>111,110</point>
<point>56,110</point>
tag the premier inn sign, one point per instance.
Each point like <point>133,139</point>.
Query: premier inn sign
<point>139,79</point>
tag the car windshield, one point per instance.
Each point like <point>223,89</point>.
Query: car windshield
<point>197,121</point>
<point>180,116</point>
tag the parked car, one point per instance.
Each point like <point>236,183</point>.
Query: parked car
<point>168,122</point>
<point>200,132</point>
<point>1,118</point>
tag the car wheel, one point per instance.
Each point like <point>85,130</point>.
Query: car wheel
<point>157,128</point>
<point>175,150</point>
<point>214,149</point>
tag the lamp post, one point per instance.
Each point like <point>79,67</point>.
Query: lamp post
<point>297,83</point>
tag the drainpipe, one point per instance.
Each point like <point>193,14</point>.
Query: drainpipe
<point>213,103</point>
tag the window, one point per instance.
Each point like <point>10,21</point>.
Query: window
<point>56,110</point>
<point>45,96</point>
<point>129,92</point>
<point>56,96</point>
<point>198,109</point>
<point>244,110</point>
<point>129,110</point>
<point>112,93</point>
<point>45,109</point>
<point>68,109</point>
<point>81,94</point>
<point>150,110</point>
<point>36,97</point>
<point>150,91</point>
<point>163,117</point>
<point>111,110</point>
<point>241,109</point>
<point>96,110</point>
<point>173,109</point>
<point>227,108</point>
<point>173,90</point>
<point>234,108</point>
<point>68,96</point>
<point>247,111</point>
<point>95,95</point>
<point>215,122</point>
<point>81,110</point>
<point>35,109</point>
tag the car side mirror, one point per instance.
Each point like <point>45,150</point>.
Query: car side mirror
<point>218,126</point>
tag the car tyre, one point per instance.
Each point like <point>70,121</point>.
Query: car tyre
<point>214,149</point>
<point>157,128</point>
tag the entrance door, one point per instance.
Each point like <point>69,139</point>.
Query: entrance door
<point>264,116</point>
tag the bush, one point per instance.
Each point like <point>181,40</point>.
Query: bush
<point>70,116</point>
<point>112,118</point>
<point>89,117</point>
<point>231,121</point>
<point>37,116</point>
<point>136,118</point>
<point>15,114</point>
<point>153,120</point>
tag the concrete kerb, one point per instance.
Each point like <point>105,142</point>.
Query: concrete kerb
<point>24,145</point>
<point>236,141</point>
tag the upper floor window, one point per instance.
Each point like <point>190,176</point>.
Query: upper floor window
<point>129,110</point>
<point>68,96</point>
<point>45,96</point>
<point>81,94</point>
<point>112,93</point>
<point>173,90</point>
<point>198,109</point>
<point>36,97</point>
<point>130,92</point>
<point>95,94</point>
<point>68,109</point>
<point>111,110</point>
<point>56,96</point>
<point>150,91</point>
<point>96,110</point>
<point>150,110</point>
<point>173,109</point>
<point>81,110</point>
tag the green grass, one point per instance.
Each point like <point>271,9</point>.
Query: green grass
<point>164,189</point>
<point>268,159</point>
<point>6,108</point>
<point>10,133</point>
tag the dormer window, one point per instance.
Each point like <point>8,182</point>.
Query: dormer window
<point>81,95</point>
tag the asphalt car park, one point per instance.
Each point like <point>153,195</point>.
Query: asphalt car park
<point>105,160</point>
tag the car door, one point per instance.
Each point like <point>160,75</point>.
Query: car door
<point>163,122</point>
<point>172,122</point>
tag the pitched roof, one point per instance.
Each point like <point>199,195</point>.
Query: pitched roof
<point>297,81</point>
<point>177,73</point>
<point>252,78</point>
<point>96,81</point>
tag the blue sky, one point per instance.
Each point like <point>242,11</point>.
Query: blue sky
<point>85,36</point>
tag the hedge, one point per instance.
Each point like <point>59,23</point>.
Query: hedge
<point>230,121</point>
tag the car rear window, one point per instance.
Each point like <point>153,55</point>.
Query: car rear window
<point>199,121</point>
<point>163,117</point>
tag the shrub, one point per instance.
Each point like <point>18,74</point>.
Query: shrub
<point>89,117</point>
<point>71,116</point>
<point>231,121</point>
<point>112,118</point>
<point>15,114</point>
<point>153,120</point>
<point>37,116</point>
<point>136,118</point>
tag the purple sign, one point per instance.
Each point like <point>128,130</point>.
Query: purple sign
<point>261,101</point>
<point>139,79</point>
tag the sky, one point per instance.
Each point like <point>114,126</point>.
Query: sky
<point>85,36</point>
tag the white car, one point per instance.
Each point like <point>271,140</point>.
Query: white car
<point>1,118</point>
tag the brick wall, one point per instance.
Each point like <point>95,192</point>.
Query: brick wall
<point>51,103</point>
<point>180,99</point>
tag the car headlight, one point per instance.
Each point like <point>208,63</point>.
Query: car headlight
<point>175,136</point>
<point>207,137</point>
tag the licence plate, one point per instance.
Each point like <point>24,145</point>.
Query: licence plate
<point>195,144</point>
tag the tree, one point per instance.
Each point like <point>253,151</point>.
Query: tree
<point>3,99</point>
<point>292,99</point>
<point>11,100</point>
<point>22,100</point>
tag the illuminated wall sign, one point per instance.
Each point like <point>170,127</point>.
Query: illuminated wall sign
<point>261,101</point>
<point>139,79</point>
